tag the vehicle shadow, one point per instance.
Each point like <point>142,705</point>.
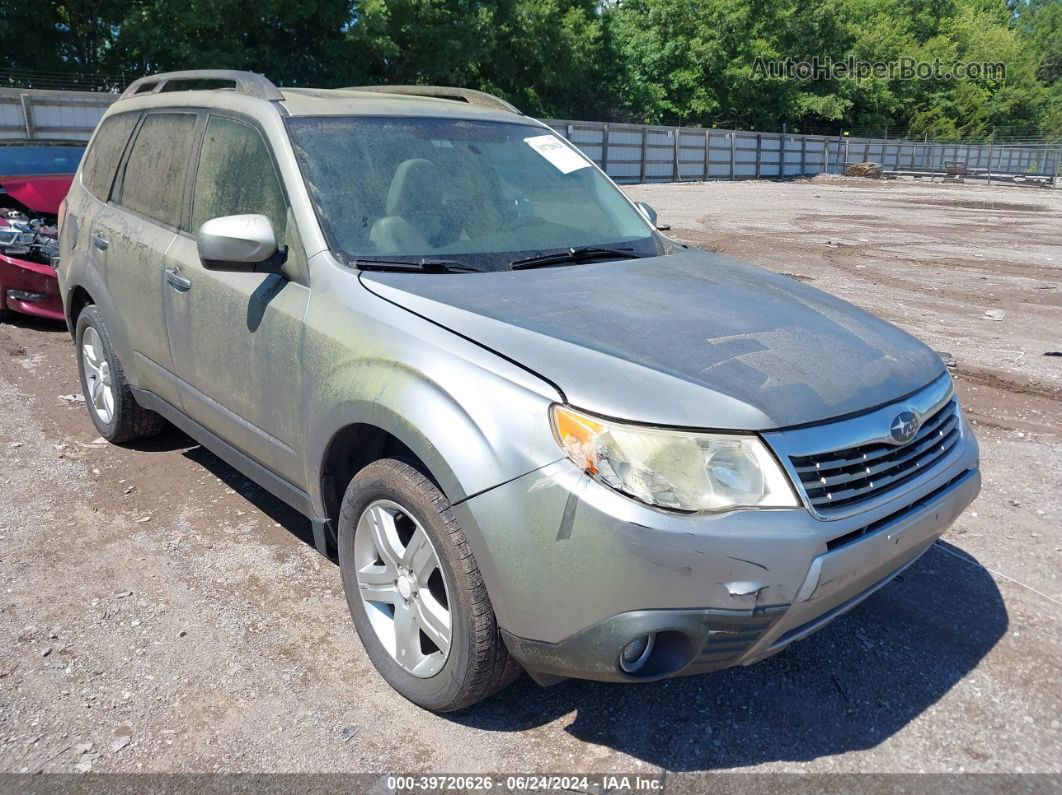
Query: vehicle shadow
<point>848,687</point>
<point>34,323</point>
<point>276,509</point>
<point>173,439</point>
<point>170,438</point>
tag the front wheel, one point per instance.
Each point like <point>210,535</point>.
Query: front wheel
<point>415,592</point>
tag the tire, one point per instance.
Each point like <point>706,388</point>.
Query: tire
<point>119,418</point>
<point>476,662</point>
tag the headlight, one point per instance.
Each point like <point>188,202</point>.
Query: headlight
<point>680,470</point>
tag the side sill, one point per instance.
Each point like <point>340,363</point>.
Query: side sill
<point>267,479</point>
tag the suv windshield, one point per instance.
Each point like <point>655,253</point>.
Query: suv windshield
<point>482,193</point>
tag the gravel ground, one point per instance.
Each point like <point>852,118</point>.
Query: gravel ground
<point>160,613</point>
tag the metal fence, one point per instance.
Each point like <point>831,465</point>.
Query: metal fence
<point>51,115</point>
<point>631,153</point>
<point>63,80</point>
<point>642,153</point>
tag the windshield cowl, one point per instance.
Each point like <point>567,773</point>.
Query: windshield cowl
<point>423,264</point>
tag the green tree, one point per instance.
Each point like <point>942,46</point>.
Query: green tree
<point>1041,23</point>
<point>664,61</point>
<point>693,62</point>
<point>295,42</point>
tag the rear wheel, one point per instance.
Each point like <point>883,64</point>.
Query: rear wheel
<point>111,405</point>
<point>415,592</point>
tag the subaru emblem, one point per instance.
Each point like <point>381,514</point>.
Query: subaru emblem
<point>904,427</point>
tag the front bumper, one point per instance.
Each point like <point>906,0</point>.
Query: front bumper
<point>575,570</point>
<point>30,288</point>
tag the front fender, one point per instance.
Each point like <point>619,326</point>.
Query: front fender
<point>476,420</point>
<point>472,434</point>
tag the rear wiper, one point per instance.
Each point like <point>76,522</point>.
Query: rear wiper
<point>424,264</point>
<point>578,254</point>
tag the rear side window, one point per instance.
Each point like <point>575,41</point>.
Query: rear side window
<point>102,158</point>
<point>236,176</point>
<point>153,183</point>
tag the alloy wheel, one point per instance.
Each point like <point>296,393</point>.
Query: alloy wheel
<point>402,587</point>
<point>97,375</point>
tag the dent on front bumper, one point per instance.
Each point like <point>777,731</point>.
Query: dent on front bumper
<point>576,570</point>
<point>30,288</point>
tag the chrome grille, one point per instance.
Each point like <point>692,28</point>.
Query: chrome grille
<point>842,478</point>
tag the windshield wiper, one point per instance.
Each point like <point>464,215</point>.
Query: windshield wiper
<point>578,254</point>
<point>424,265</point>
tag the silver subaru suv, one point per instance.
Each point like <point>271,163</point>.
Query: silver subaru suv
<point>536,433</point>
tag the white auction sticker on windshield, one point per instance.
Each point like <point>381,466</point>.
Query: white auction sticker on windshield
<point>564,158</point>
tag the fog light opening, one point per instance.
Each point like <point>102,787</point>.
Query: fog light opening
<point>635,654</point>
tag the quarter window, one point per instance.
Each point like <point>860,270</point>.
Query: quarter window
<point>236,176</point>
<point>154,174</point>
<point>101,160</point>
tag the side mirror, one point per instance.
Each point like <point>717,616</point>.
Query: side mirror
<point>245,243</point>
<point>650,215</point>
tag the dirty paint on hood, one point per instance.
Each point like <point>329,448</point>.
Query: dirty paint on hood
<point>691,339</point>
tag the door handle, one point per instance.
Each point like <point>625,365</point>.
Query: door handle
<point>178,282</point>
<point>99,241</point>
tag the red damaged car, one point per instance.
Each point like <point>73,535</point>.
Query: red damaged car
<point>34,180</point>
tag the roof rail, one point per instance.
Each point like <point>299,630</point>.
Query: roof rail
<point>471,96</point>
<point>249,83</point>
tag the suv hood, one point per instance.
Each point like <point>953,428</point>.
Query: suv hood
<point>690,339</point>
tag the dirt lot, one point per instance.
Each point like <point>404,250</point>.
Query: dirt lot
<point>160,613</point>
